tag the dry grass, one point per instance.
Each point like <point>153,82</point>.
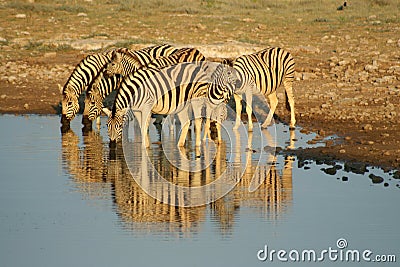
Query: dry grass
<point>254,22</point>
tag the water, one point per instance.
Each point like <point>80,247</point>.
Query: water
<point>71,201</point>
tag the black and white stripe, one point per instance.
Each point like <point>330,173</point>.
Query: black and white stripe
<point>128,63</point>
<point>265,71</point>
<point>167,91</point>
<point>104,85</point>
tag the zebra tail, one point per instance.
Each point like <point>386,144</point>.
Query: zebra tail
<point>287,101</point>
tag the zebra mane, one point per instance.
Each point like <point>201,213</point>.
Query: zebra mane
<point>217,72</point>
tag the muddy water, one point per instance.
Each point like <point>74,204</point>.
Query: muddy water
<point>70,200</point>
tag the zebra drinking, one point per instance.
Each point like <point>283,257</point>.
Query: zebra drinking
<point>104,84</point>
<point>168,91</point>
<point>264,71</point>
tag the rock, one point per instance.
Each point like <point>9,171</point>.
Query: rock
<point>367,127</point>
<point>375,178</point>
<point>387,153</point>
<point>248,20</point>
<point>3,96</point>
<point>370,68</point>
<point>50,54</point>
<point>26,106</point>
<point>82,14</point>
<point>342,151</point>
<point>396,175</point>
<point>345,178</point>
<point>11,79</point>
<point>308,75</point>
<point>3,40</point>
<point>355,167</point>
<point>330,171</point>
<point>389,41</point>
<point>20,16</point>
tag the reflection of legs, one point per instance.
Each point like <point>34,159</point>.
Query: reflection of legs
<point>273,100</point>
<point>292,139</point>
<point>238,102</point>
<point>288,84</point>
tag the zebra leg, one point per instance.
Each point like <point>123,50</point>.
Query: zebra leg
<point>207,129</point>
<point>219,137</point>
<point>273,100</point>
<point>196,107</point>
<point>185,123</point>
<point>208,112</point>
<point>288,84</point>
<point>249,109</point>
<point>238,103</point>
<point>145,126</point>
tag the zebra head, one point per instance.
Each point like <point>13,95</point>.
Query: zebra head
<point>69,102</point>
<point>122,63</point>
<point>95,102</point>
<point>115,123</point>
<point>224,82</point>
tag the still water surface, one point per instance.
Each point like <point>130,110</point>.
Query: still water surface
<point>70,201</point>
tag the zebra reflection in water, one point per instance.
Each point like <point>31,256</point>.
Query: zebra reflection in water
<point>97,176</point>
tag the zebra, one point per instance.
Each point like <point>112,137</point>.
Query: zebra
<point>79,79</point>
<point>85,72</point>
<point>105,84</point>
<point>264,71</point>
<point>167,91</point>
<point>127,63</point>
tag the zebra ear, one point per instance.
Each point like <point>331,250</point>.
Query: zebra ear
<point>107,112</point>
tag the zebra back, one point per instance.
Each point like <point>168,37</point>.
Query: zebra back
<point>126,62</point>
<point>86,70</point>
<point>266,69</point>
<point>180,56</point>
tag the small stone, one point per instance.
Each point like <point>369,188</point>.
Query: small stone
<point>330,171</point>
<point>82,14</point>
<point>367,127</point>
<point>370,142</point>
<point>387,153</point>
<point>3,40</point>
<point>309,75</point>
<point>386,184</point>
<point>50,54</point>
<point>26,106</point>
<point>20,16</point>
<point>3,96</point>
<point>345,178</point>
<point>342,151</point>
<point>376,179</point>
<point>347,138</point>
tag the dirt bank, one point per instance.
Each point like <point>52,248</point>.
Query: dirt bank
<point>347,62</point>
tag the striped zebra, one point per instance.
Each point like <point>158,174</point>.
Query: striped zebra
<point>105,84</point>
<point>88,69</point>
<point>128,63</point>
<point>167,91</point>
<point>80,78</point>
<point>264,71</point>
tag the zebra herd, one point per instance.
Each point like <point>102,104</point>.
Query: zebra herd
<point>165,80</point>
